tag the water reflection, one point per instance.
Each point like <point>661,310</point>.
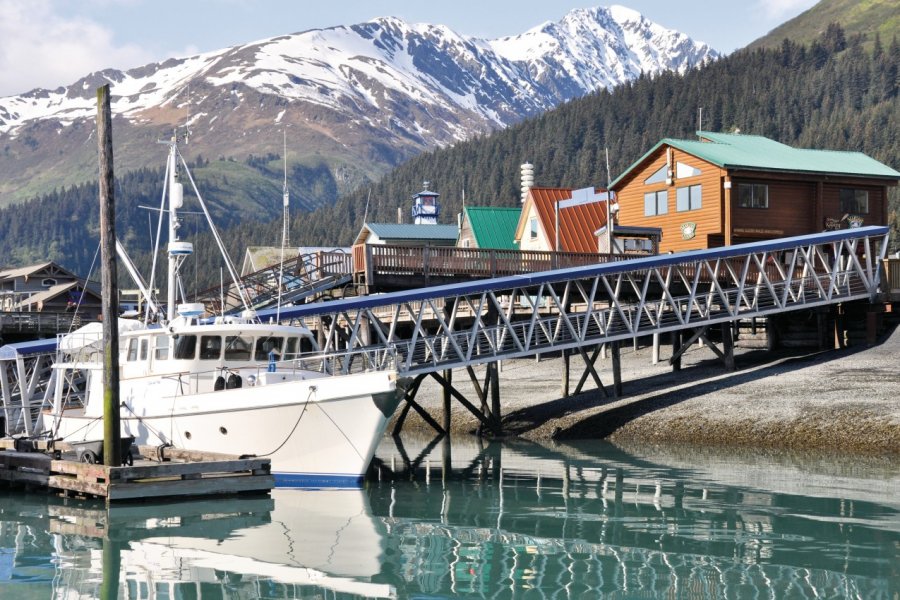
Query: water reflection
<point>557,522</point>
<point>514,520</point>
<point>295,544</point>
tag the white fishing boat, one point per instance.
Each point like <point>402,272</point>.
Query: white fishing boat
<point>228,384</point>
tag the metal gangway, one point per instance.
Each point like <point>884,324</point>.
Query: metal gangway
<point>429,330</point>
<point>423,332</point>
<point>304,276</point>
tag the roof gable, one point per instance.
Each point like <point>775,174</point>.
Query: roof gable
<point>755,152</point>
<point>493,227</point>
<point>45,269</point>
<point>577,224</point>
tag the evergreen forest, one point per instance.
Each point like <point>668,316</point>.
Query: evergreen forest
<point>835,93</point>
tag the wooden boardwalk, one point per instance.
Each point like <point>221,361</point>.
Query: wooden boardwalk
<point>178,474</point>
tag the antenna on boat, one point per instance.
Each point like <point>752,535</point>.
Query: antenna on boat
<point>286,198</point>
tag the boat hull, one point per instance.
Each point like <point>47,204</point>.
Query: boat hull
<point>318,432</point>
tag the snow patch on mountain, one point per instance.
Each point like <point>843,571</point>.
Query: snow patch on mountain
<point>374,73</point>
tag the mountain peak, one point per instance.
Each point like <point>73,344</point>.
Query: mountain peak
<point>384,88</point>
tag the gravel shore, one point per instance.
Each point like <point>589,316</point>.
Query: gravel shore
<point>839,400</point>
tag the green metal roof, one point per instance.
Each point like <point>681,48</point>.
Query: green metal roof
<point>406,231</point>
<point>493,226</point>
<point>755,152</point>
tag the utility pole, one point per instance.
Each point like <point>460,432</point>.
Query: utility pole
<point>112,455</point>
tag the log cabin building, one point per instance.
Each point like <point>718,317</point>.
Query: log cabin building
<point>726,189</point>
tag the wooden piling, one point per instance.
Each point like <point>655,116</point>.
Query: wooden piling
<point>617,370</point>
<point>447,396</point>
<point>112,453</point>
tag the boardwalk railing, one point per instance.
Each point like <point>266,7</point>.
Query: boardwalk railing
<point>476,263</point>
<point>892,275</point>
<point>38,322</point>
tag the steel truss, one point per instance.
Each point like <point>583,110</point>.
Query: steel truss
<point>462,325</point>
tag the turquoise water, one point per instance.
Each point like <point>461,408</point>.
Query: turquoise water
<point>471,520</point>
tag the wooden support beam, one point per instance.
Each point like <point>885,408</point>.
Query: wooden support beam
<point>448,377</point>
<point>449,389</point>
<point>677,351</point>
<point>407,396</point>
<point>584,375</point>
<point>728,345</point>
<point>617,370</point>
<point>589,370</point>
<point>564,389</point>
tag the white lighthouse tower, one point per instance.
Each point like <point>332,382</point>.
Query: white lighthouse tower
<point>426,210</point>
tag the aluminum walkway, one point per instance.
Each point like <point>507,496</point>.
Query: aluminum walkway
<point>460,325</point>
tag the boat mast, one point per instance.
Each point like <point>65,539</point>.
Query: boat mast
<point>286,197</point>
<point>177,250</point>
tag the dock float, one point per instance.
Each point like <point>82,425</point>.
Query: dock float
<point>155,474</point>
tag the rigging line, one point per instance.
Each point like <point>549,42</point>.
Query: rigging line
<point>84,288</point>
<point>312,390</point>
<point>227,259</point>
<point>152,430</point>
<point>155,253</point>
<point>349,441</point>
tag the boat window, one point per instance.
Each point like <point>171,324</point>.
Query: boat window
<point>162,348</point>
<point>132,350</point>
<point>290,351</point>
<point>266,344</point>
<point>185,347</point>
<point>145,347</point>
<point>210,347</point>
<point>237,347</point>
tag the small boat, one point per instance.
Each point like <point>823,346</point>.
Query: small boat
<point>228,384</point>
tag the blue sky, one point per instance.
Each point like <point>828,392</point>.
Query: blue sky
<point>48,43</point>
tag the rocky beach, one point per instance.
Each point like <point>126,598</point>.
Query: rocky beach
<point>844,400</point>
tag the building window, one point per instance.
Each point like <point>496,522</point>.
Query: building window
<point>753,195</point>
<point>854,202</point>
<point>533,224</point>
<point>50,282</point>
<point>683,170</point>
<point>688,198</point>
<point>658,176</point>
<point>656,203</point>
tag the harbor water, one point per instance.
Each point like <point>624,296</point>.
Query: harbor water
<point>473,519</point>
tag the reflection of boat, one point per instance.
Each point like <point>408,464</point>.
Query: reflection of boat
<point>296,544</point>
<point>233,386</point>
<point>322,539</point>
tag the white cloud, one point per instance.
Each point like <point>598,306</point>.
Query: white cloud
<point>780,9</point>
<point>41,48</point>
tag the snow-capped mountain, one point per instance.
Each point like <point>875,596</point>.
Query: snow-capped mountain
<point>358,98</point>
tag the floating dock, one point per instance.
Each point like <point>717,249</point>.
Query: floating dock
<point>155,475</point>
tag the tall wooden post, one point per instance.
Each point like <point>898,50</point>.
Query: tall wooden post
<point>112,567</point>
<point>616,369</point>
<point>112,454</point>
<point>676,350</point>
<point>447,397</point>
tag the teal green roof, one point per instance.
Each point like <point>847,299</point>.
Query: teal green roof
<point>407,231</point>
<point>494,227</point>
<point>755,152</point>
